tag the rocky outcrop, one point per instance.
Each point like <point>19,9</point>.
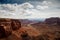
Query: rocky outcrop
<point>16,24</point>
<point>7,25</point>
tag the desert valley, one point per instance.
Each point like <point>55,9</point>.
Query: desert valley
<point>23,29</point>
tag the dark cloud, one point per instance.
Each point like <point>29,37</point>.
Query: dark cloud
<point>58,7</point>
<point>16,1</point>
<point>11,1</point>
<point>58,0</point>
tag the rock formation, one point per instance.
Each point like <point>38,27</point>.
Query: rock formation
<point>7,25</point>
<point>16,24</point>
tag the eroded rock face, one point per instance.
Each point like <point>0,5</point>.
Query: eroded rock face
<point>16,24</point>
<point>7,25</point>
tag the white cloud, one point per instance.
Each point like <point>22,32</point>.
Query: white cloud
<point>15,10</point>
<point>27,5</point>
<point>46,3</point>
<point>42,7</point>
<point>27,10</point>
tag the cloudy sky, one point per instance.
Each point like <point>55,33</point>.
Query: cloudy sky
<point>26,9</point>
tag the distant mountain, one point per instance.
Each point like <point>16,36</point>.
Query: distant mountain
<point>37,19</point>
<point>49,22</point>
<point>27,21</point>
<point>53,20</point>
<point>31,20</point>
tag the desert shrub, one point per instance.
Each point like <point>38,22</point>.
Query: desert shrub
<point>25,36</point>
